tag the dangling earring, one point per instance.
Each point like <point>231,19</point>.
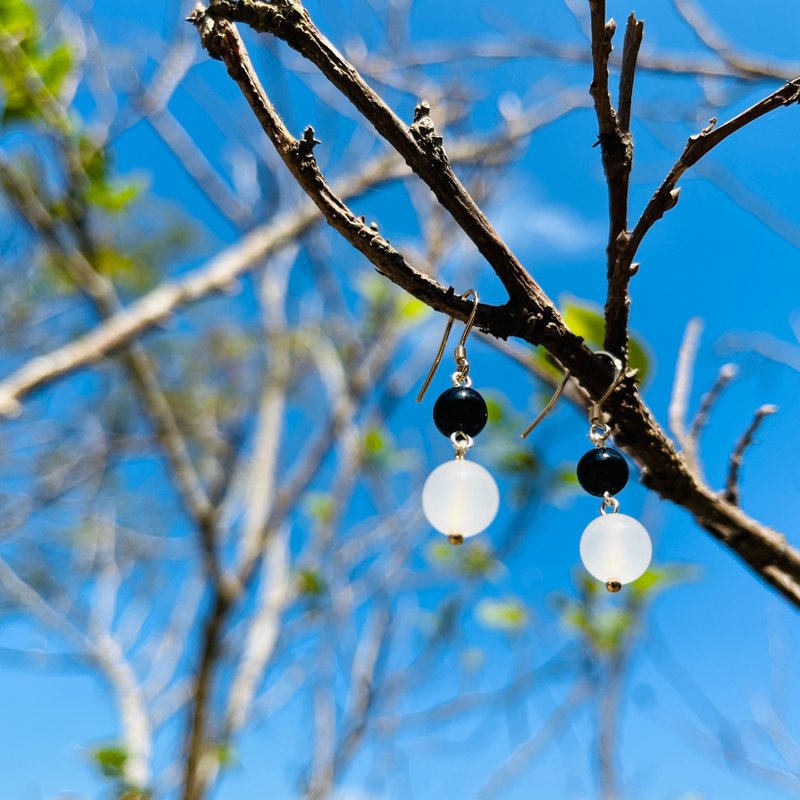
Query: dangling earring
<point>615,548</point>
<point>460,498</point>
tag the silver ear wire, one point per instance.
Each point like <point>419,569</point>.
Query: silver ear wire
<point>595,410</point>
<point>461,349</point>
<point>549,407</point>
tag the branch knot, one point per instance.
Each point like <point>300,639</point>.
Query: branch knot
<point>424,132</point>
<point>306,145</point>
<point>210,36</point>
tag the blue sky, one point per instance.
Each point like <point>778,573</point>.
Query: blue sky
<point>709,643</point>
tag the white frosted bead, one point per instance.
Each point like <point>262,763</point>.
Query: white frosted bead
<point>616,547</point>
<point>460,498</point>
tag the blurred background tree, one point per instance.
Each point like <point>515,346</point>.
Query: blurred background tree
<point>212,458</point>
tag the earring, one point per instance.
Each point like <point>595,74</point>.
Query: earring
<point>615,548</point>
<point>460,498</point>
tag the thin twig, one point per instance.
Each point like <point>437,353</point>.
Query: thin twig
<point>634,33</point>
<point>545,735</point>
<point>737,457</point>
<point>699,145</point>
<point>707,32</point>
<point>516,46</point>
<point>682,385</point>
<point>727,373</point>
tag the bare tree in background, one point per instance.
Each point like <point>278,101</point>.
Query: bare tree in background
<point>268,591</point>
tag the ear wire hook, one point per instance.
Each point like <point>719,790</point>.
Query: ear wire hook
<point>460,351</point>
<point>549,407</point>
<point>595,408</point>
<point>619,374</point>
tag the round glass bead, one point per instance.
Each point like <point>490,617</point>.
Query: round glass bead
<point>601,470</point>
<point>616,548</point>
<point>460,409</point>
<point>460,498</point>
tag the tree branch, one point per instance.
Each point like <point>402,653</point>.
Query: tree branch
<point>103,296</point>
<point>664,471</point>
<point>616,145</point>
<point>420,145</point>
<point>634,32</point>
<point>710,36</point>
<point>737,457</point>
<point>666,196</point>
<point>221,272</point>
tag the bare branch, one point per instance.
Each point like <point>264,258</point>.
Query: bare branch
<point>101,292</point>
<point>152,104</point>
<point>602,34</point>
<point>666,196</point>
<point>616,146</point>
<point>682,387</point>
<point>262,634</point>
<point>664,470</point>
<point>420,145</point>
<point>727,372</point>
<point>103,650</point>
<point>711,37</point>
<point>199,168</point>
<point>524,752</point>
<point>260,484</point>
<point>250,252</point>
<point>737,457</point>
<point>516,46</point>
<point>630,54</point>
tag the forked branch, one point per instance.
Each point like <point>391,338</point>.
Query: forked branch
<point>664,470</point>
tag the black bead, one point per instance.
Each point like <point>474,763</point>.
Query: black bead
<point>460,409</point>
<point>601,470</point>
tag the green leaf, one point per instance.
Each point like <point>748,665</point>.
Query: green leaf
<point>609,629</point>
<point>660,577</point>
<point>605,629</point>
<point>114,197</point>
<point>320,506</point>
<point>440,553</point>
<point>374,442</point>
<point>574,617</point>
<point>476,560</point>
<point>30,71</point>
<point>17,18</point>
<point>110,760</point>
<point>93,159</point>
<point>109,261</point>
<point>586,320</point>
<point>380,451</point>
<point>133,793</point>
<point>310,583</point>
<point>509,615</point>
<point>566,477</point>
<point>226,754</point>
<point>410,310</point>
<point>54,68</point>
<point>375,288</point>
<point>496,409</point>
<point>519,461</point>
